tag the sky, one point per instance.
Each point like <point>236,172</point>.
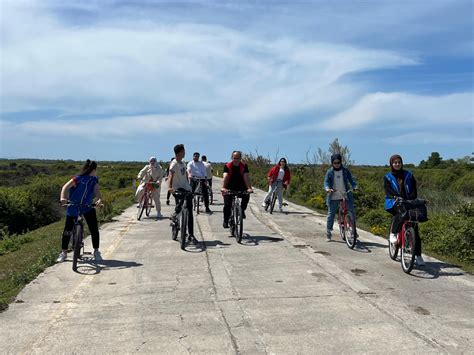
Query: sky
<point>126,80</point>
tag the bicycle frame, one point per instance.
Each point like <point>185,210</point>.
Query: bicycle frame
<point>146,201</point>
<point>236,218</point>
<point>346,221</point>
<point>198,192</point>
<point>273,197</point>
<point>181,221</point>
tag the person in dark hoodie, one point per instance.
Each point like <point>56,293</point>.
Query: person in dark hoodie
<point>338,180</point>
<point>400,183</point>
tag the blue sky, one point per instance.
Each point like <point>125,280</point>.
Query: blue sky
<point>123,80</point>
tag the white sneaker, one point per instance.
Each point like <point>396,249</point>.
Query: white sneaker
<point>264,204</point>
<point>97,255</point>
<point>328,236</point>
<point>420,261</point>
<point>62,256</point>
<point>393,238</point>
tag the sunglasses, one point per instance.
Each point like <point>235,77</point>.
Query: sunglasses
<point>336,162</point>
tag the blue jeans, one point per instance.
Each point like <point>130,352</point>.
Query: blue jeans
<point>332,210</point>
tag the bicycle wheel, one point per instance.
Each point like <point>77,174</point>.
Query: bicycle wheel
<point>231,221</point>
<point>238,223</point>
<point>148,205</point>
<point>349,230</point>
<point>408,250</point>
<point>184,225</point>
<point>340,222</point>
<point>77,236</point>
<point>211,196</point>
<point>197,204</point>
<point>141,207</point>
<point>174,230</point>
<point>392,250</point>
<point>273,201</point>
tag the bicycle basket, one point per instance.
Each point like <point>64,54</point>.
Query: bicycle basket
<point>415,210</point>
<point>153,185</point>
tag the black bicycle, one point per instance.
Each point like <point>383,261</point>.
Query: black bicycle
<point>78,233</point>
<point>180,222</point>
<point>236,221</point>
<point>271,202</point>
<point>198,192</point>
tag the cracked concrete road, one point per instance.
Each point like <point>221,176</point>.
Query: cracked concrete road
<point>283,290</point>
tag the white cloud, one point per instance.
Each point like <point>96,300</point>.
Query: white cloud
<point>428,138</point>
<point>403,110</point>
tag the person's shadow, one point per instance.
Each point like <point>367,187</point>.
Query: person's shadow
<point>434,270</point>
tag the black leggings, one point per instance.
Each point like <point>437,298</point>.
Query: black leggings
<point>228,204</point>
<point>189,204</point>
<point>91,219</point>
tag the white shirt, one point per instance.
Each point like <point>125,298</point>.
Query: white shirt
<point>338,185</point>
<point>197,169</point>
<point>208,167</point>
<point>180,179</point>
<point>281,174</point>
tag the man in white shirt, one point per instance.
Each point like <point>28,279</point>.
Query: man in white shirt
<point>178,180</point>
<point>209,171</point>
<point>197,170</point>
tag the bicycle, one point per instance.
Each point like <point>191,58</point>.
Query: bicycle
<point>78,233</point>
<point>346,222</point>
<point>273,197</point>
<point>180,223</point>
<point>413,212</point>
<point>146,201</point>
<point>236,222</point>
<point>198,192</point>
<point>211,195</point>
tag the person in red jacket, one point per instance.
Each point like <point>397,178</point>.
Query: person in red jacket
<point>278,179</point>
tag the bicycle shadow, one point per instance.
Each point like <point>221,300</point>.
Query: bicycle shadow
<point>251,241</point>
<point>203,245</point>
<point>434,270</point>
<point>90,267</point>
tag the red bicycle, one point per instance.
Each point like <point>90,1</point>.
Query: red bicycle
<point>146,201</point>
<point>346,222</point>
<point>412,211</point>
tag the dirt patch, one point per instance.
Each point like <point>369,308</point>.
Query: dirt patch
<point>325,253</point>
<point>358,272</point>
<point>421,310</point>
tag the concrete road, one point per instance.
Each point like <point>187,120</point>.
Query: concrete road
<point>285,290</point>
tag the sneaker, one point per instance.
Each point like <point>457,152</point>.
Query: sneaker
<point>159,215</point>
<point>420,261</point>
<point>243,215</point>
<point>281,209</point>
<point>167,202</point>
<point>97,255</point>
<point>193,239</point>
<point>138,205</point>
<point>62,256</point>
<point>264,204</point>
<point>225,225</point>
<point>393,238</point>
<point>328,236</point>
<point>208,210</point>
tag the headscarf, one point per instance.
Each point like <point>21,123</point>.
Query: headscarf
<point>336,156</point>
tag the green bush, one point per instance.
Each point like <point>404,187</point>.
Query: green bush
<point>451,236</point>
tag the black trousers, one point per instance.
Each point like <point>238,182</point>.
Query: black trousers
<point>205,192</point>
<point>228,204</point>
<point>91,219</point>
<point>397,222</point>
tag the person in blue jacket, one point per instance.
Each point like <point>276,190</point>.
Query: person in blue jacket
<point>81,191</point>
<point>338,180</point>
<point>400,183</point>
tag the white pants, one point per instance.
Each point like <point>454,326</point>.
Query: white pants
<point>155,193</point>
<point>278,185</point>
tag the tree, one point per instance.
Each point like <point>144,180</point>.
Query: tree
<point>434,160</point>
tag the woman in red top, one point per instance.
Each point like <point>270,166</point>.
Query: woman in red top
<point>278,178</point>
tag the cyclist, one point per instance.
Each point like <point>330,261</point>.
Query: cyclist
<point>81,189</point>
<point>197,170</point>
<point>278,177</point>
<point>151,173</point>
<point>400,183</point>
<point>178,181</point>
<point>168,194</point>
<point>337,181</point>
<point>236,178</point>
<point>209,170</point>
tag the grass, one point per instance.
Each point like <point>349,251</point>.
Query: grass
<point>23,258</point>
